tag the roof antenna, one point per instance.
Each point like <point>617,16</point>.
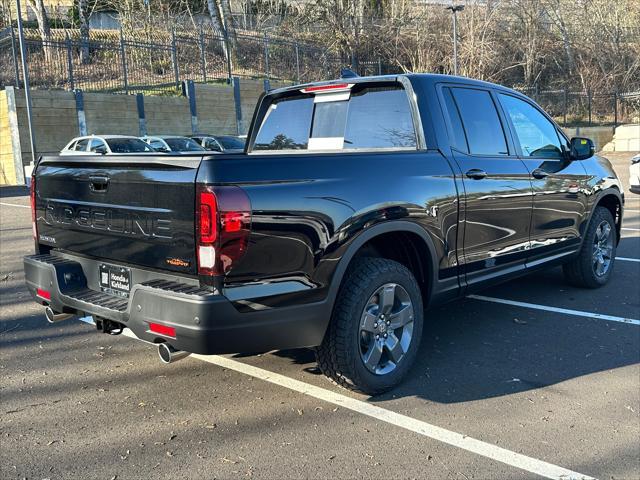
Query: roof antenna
<point>348,73</point>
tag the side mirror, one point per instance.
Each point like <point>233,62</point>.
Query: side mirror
<point>582,148</point>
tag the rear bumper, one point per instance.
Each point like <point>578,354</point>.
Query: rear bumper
<point>205,322</point>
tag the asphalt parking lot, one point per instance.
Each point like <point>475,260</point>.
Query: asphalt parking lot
<point>546,384</point>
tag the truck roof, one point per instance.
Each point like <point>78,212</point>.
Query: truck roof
<point>428,78</point>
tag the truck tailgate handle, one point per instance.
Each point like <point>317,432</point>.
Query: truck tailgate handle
<point>98,183</point>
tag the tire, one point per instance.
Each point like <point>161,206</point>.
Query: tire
<point>586,270</point>
<point>350,337</point>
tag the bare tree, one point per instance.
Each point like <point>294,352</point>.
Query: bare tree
<point>83,17</point>
<point>529,51</point>
<point>44,27</point>
<point>220,22</point>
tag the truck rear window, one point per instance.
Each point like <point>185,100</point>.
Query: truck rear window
<point>364,117</point>
<point>286,125</point>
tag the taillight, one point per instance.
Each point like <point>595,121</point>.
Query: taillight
<point>208,218</point>
<point>223,226</point>
<point>32,195</point>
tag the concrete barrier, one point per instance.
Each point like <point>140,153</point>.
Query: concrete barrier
<point>625,139</point>
<point>57,118</point>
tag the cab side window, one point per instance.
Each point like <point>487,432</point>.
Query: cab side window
<point>482,126</point>
<point>535,133</point>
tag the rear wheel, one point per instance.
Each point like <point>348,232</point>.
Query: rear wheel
<point>375,331</point>
<point>593,266</point>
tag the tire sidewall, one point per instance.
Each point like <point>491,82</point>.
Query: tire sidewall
<point>384,382</point>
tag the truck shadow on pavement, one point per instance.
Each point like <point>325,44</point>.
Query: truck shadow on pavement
<point>474,350</point>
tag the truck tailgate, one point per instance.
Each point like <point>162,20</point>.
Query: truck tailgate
<point>134,210</point>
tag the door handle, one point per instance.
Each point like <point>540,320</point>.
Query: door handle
<point>539,173</point>
<point>476,174</point>
<point>98,183</point>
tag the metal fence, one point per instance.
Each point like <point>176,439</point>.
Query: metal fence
<point>117,64</point>
<point>588,108</point>
<point>111,62</point>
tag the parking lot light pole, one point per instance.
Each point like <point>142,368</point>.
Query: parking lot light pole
<point>454,11</point>
<point>25,83</point>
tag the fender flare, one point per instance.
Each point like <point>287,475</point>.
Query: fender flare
<point>372,232</point>
<point>606,192</point>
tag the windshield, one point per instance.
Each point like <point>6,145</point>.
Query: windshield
<point>183,145</point>
<point>128,145</point>
<point>231,143</point>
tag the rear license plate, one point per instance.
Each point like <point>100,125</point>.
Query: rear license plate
<point>115,280</point>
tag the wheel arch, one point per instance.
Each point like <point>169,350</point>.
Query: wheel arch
<point>611,199</point>
<point>371,238</point>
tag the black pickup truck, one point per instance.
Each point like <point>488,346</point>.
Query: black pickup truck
<point>357,203</point>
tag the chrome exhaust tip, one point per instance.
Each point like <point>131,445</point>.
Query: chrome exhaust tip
<point>168,354</point>
<point>53,317</point>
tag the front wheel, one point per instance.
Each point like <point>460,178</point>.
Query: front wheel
<point>375,330</point>
<point>593,266</point>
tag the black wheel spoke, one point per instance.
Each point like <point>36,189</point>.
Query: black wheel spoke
<point>401,318</point>
<point>394,348</point>
<point>373,356</point>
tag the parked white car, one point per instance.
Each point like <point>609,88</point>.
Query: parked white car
<point>173,143</point>
<point>634,175</point>
<point>106,145</point>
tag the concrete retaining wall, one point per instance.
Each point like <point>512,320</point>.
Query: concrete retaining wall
<point>56,113</point>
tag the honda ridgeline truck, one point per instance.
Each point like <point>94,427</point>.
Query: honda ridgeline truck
<point>356,204</point>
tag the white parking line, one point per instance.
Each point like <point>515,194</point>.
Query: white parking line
<point>14,205</point>
<point>532,465</point>
<point>626,259</point>
<point>630,229</point>
<point>547,308</point>
<point>458,440</point>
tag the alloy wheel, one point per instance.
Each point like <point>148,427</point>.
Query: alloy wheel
<point>386,328</point>
<point>602,249</point>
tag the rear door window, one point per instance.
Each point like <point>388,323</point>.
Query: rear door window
<point>458,139</point>
<point>482,126</point>
<point>157,145</point>
<point>81,146</point>
<point>365,117</point>
<point>96,144</point>
<point>211,144</point>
